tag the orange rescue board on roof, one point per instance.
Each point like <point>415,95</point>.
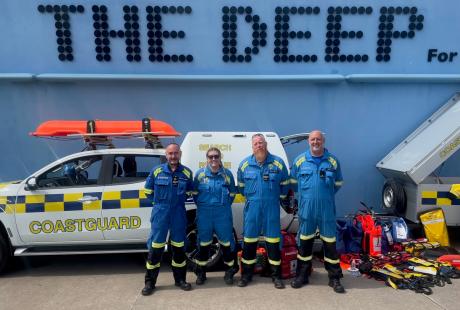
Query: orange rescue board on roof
<point>66,128</point>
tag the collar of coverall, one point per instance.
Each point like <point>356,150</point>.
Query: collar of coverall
<point>309,157</point>
<point>168,170</point>
<point>268,160</point>
<point>208,171</point>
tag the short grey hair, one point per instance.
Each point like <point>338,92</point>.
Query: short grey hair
<point>258,135</point>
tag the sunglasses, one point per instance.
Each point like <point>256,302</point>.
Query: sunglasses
<point>213,156</point>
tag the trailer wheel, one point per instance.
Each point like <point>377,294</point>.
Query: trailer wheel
<point>394,198</point>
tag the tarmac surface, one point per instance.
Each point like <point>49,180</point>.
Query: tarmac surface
<point>114,282</point>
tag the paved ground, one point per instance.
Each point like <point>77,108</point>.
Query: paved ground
<point>114,282</point>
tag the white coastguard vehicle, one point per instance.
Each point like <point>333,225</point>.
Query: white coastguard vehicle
<point>93,201</point>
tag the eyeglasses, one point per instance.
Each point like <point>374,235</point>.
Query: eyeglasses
<point>213,156</point>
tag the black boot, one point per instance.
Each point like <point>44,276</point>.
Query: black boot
<point>179,274</point>
<point>229,273</point>
<point>336,285</point>
<point>276,276</point>
<point>150,280</point>
<point>246,275</point>
<point>200,272</point>
<point>301,274</point>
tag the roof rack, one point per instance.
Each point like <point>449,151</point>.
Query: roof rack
<point>101,132</point>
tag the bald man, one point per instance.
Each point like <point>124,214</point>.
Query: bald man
<point>317,177</point>
<point>167,187</point>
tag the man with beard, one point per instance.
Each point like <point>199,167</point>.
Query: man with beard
<point>263,180</point>
<point>317,176</point>
<point>168,186</point>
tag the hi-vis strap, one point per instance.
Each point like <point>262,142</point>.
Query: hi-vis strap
<point>174,264</point>
<point>201,263</point>
<point>331,261</point>
<point>305,237</point>
<point>177,244</point>
<point>305,258</point>
<point>227,244</point>
<point>157,171</point>
<point>187,173</point>
<point>327,239</point>
<point>148,191</point>
<point>150,266</point>
<point>249,261</point>
<point>272,240</point>
<point>274,262</point>
<point>338,183</point>
<point>202,243</point>
<point>158,245</point>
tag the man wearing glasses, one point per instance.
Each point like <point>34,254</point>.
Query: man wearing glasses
<point>214,191</point>
<point>167,186</point>
<point>263,180</point>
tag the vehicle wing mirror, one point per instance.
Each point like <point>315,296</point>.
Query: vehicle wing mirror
<point>31,184</point>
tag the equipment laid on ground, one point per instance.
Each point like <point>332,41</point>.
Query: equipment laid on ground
<point>412,186</point>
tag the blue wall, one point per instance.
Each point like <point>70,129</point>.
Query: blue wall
<point>363,121</point>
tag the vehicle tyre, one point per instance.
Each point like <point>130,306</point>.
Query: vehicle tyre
<point>191,250</point>
<point>394,198</point>
<point>5,254</point>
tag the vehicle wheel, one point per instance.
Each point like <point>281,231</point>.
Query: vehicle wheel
<point>5,254</point>
<point>191,250</point>
<point>394,198</point>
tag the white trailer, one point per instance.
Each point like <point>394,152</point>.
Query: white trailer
<point>412,185</point>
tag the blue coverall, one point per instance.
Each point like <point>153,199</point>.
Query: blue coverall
<point>263,185</point>
<point>317,182</point>
<point>214,195</point>
<point>168,190</point>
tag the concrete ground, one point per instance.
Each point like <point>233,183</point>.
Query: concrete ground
<point>114,282</point>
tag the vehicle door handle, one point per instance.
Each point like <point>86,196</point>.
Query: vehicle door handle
<point>88,199</point>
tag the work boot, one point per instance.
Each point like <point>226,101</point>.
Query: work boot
<point>179,274</point>
<point>276,277</point>
<point>200,275</point>
<point>246,275</point>
<point>336,285</point>
<point>229,273</point>
<point>150,281</point>
<point>301,274</point>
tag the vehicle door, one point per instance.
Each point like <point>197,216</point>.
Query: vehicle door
<point>124,204</point>
<point>62,204</point>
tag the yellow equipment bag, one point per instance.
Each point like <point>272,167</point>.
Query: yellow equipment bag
<point>435,227</point>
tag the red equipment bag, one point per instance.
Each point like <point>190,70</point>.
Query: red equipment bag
<point>453,259</point>
<point>372,239</point>
<point>288,239</point>
<point>288,255</point>
<point>288,262</point>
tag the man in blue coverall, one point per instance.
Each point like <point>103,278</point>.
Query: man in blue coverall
<point>168,186</point>
<point>263,180</point>
<point>214,191</point>
<point>317,176</point>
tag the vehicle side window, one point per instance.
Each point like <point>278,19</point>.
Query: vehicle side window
<point>76,172</point>
<point>134,168</point>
